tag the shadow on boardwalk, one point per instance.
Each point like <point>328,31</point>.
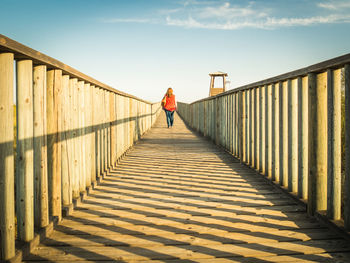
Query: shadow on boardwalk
<point>176,197</point>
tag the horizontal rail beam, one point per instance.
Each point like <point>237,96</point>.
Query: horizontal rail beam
<point>22,52</point>
<point>333,63</point>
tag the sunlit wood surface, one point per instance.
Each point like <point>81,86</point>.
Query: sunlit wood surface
<point>176,197</point>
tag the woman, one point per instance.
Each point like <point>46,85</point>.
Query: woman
<point>169,106</point>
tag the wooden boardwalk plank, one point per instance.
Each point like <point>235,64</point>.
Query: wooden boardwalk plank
<point>176,198</point>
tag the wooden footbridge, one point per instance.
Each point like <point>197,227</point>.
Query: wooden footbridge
<point>92,174</point>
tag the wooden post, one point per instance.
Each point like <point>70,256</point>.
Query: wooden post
<point>334,144</point>
<point>244,127</point>
<point>254,129</point>
<point>303,182</point>
<point>119,107</point>
<point>97,127</point>
<point>73,161</point>
<point>285,119</point>
<point>273,132</point>
<point>317,186</point>
<point>54,79</point>
<point>113,128</point>
<point>231,127</point>
<point>66,152</point>
<point>80,138</point>
<point>262,130</point>
<point>93,133</point>
<point>265,125</point>
<point>321,145</point>
<point>240,126</point>
<point>279,133</point>
<point>300,138</point>
<point>250,138</point>
<point>25,158</point>
<point>41,198</point>
<point>87,134</point>
<point>7,185</point>
<point>293,143</point>
<point>107,130</point>
<point>217,121</point>
<point>103,133</point>
<point>347,148</point>
<point>270,128</point>
<point>258,129</point>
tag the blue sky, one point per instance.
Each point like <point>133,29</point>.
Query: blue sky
<point>143,47</point>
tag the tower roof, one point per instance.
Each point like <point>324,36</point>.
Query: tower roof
<point>218,73</point>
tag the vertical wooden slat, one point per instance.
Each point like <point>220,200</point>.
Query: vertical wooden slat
<point>269,129</point>
<point>103,132</point>
<point>254,137</point>
<point>300,137</point>
<point>285,119</point>
<point>248,132</point>
<point>217,121</point>
<point>232,120</point>
<point>273,132</point>
<point>262,129</point>
<point>73,162</point>
<point>243,123</point>
<point>92,133</point>
<point>108,131</point>
<point>347,148</point>
<point>265,125</point>
<point>54,127</point>
<point>312,157</point>
<point>41,205</point>
<point>258,129</point>
<point>87,130</point>
<point>293,137</point>
<point>25,161</point>
<point>80,138</point>
<point>240,125</point>
<point>303,183</point>
<point>66,153</point>
<point>279,133</point>
<point>113,129</point>
<point>97,124</point>
<point>321,147</point>
<point>7,185</point>
<point>334,144</point>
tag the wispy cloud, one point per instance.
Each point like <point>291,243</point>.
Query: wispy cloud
<point>126,20</point>
<point>223,15</point>
<point>335,5</point>
<point>268,23</point>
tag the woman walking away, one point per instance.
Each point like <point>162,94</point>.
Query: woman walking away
<point>169,106</point>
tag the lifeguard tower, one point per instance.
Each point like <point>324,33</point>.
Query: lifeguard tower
<point>215,91</point>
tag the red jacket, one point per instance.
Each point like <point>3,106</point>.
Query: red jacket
<point>170,104</point>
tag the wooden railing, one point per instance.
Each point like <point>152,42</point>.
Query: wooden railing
<point>70,130</point>
<point>291,128</point>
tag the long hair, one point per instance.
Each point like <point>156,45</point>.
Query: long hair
<point>169,92</point>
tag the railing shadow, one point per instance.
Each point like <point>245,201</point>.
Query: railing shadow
<point>143,211</point>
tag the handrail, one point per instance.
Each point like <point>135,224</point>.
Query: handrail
<point>315,68</point>
<point>290,128</point>
<point>22,52</point>
<point>70,131</point>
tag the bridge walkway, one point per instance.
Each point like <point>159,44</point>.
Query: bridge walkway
<point>176,197</point>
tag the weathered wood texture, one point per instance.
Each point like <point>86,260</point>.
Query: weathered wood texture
<point>176,197</point>
<point>7,184</point>
<point>66,129</point>
<point>292,134</point>
<point>41,198</point>
<point>25,157</point>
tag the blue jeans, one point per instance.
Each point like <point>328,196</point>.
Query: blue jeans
<point>169,117</point>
